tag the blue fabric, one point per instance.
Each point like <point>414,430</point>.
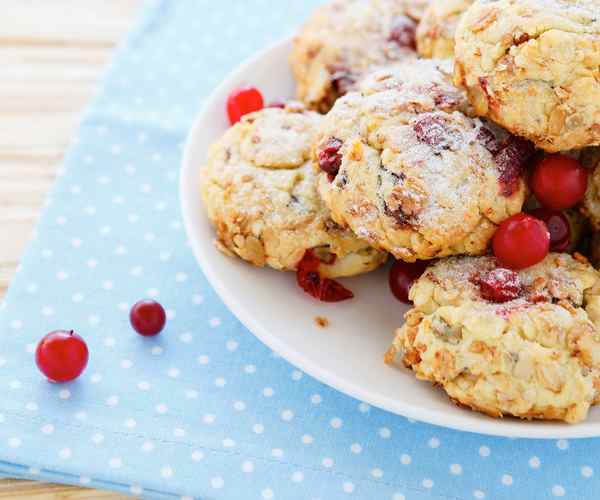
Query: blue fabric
<point>204,410</point>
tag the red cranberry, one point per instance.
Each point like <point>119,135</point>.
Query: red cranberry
<point>276,104</point>
<point>559,182</point>
<point>511,160</point>
<point>434,131</point>
<point>559,227</point>
<point>243,101</point>
<point>62,356</point>
<point>403,33</point>
<point>500,285</point>
<point>148,318</point>
<point>403,275</point>
<point>342,80</point>
<point>521,241</point>
<point>323,289</point>
<point>330,158</point>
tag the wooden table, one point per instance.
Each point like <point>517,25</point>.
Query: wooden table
<point>52,53</point>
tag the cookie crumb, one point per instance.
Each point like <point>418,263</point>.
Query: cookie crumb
<point>321,322</point>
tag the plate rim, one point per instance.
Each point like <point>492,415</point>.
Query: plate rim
<point>188,203</point>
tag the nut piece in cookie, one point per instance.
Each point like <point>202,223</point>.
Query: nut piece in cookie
<point>344,39</point>
<point>436,31</point>
<point>260,192</point>
<point>532,67</point>
<point>525,344</point>
<point>407,170</point>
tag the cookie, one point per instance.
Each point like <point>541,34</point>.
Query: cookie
<point>260,192</point>
<point>413,175</point>
<point>344,39</point>
<point>435,33</point>
<point>525,344</point>
<point>591,202</point>
<point>595,250</point>
<point>532,67</point>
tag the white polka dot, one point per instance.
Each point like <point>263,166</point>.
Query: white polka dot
<point>484,451</point>
<point>220,382</point>
<point>480,495</point>
<point>16,324</point>
<point>355,448</point>
<point>534,462</point>
<point>247,466</point>
<point>296,375</point>
<point>148,446</point>
<point>209,418</point>
<point>64,394</point>
<point>178,432</point>
<point>231,345</point>
<point>126,364</point>
<point>307,439</point>
<point>191,394</point>
<point>287,415</point>
<point>16,384</point>
<point>186,337</point>
<point>156,350</point>
<point>166,472</point>
<point>136,490</point>
<point>34,471</point>
<point>558,490</point>
<point>47,429</point>
<point>316,399</point>
<point>398,496</point>
<point>161,408</point>
<point>507,480</point>
<point>31,406</point>
<point>112,401</point>
<point>81,415</point>
<point>14,442</point>
<point>348,487</point>
<point>587,471</point>
<point>32,288</point>
<point>239,406</point>
<point>456,469</point>
<point>47,311</point>
<point>377,473</point>
<point>130,423</point>
<point>143,385</point>
<point>115,463</point>
<point>77,297</point>
<point>92,263</point>
<point>181,277</point>
<point>297,477</point>
<point>98,438</point>
<point>336,422</point>
<point>65,453</point>
<point>434,443</point>
<point>217,482</point>
<point>364,407</point>
<point>385,433</point>
<point>84,480</point>
<point>123,306</point>
<point>562,444</point>
<point>62,275</point>
<point>214,322</point>
<point>427,483</point>
<point>197,456</point>
<point>173,372</point>
<point>249,369</point>
<point>228,443</point>
<point>405,459</point>
<point>203,359</point>
<point>267,494</point>
<point>327,462</point>
<point>109,342</point>
<point>277,452</point>
<point>268,392</point>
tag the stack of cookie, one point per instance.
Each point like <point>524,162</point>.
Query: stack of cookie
<point>457,133</point>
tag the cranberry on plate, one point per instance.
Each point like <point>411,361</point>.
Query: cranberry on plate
<point>323,289</point>
<point>403,275</point>
<point>243,101</point>
<point>62,356</point>
<point>148,318</point>
<point>559,182</point>
<point>521,241</point>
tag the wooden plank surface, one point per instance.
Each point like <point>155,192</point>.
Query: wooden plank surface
<point>52,54</point>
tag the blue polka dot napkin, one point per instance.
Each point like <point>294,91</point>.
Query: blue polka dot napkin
<point>205,410</point>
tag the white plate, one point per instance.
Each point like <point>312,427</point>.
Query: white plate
<point>348,355</point>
